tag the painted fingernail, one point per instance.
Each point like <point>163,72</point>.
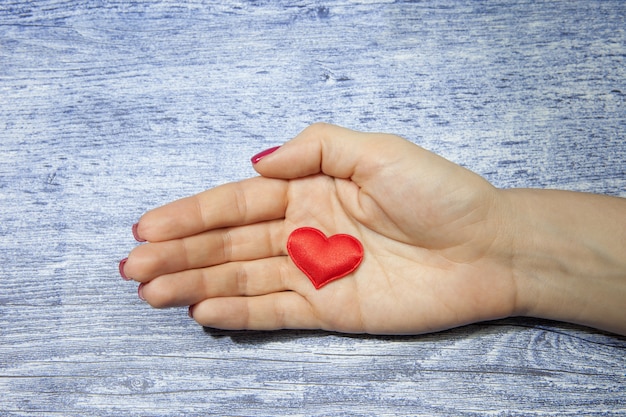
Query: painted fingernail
<point>135,235</point>
<point>121,267</point>
<point>256,158</point>
<point>190,312</point>
<point>140,292</point>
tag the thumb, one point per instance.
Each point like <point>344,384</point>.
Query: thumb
<point>329,149</point>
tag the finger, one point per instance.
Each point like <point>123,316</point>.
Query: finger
<point>334,151</point>
<point>249,278</point>
<point>256,241</point>
<point>283,310</point>
<point>233,204</point>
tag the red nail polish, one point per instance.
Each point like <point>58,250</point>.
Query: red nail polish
<point>140,291</point>
<point>121,267</point>
<point>256,158</point>
<point>135,235</point>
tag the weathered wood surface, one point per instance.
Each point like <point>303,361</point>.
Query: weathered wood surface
<point>110,108</point>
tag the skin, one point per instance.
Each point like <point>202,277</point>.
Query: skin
<point>443,247</point>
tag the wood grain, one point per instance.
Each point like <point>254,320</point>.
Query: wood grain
<point>108,109</point>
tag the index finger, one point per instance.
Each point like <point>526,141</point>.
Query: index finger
<point>234,204</point>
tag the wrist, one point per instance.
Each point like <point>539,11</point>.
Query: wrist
<point>567,256</point>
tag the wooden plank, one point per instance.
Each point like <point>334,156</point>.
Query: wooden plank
<point>111,108</point>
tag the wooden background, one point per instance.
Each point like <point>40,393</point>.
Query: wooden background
<point>109,108</point>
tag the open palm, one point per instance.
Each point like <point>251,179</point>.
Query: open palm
<point>428,228</point>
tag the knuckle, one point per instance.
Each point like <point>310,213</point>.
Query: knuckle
<point>241,202</point>
<point>241,279</point>
<point>227,246</point>
<point>317,129</point>
<point>279,315</point>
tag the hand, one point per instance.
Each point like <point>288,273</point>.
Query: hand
<point>435,248</point>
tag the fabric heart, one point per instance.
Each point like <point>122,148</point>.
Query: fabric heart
<point>324,259</point>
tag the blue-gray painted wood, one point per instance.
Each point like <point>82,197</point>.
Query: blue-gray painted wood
<point>108,109</point>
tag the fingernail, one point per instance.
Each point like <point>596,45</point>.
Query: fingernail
<point>121,266</point>
<point>135,235</point>
<point>140,292</point>
<point>256,158</point>
<point>190,312</point>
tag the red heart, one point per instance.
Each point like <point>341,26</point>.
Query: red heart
<point>324,259</point>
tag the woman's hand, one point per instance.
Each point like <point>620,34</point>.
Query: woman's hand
<point>443,247</point>
<point>435,249</point>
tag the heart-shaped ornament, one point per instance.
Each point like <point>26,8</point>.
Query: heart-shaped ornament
<point>324,259</point>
